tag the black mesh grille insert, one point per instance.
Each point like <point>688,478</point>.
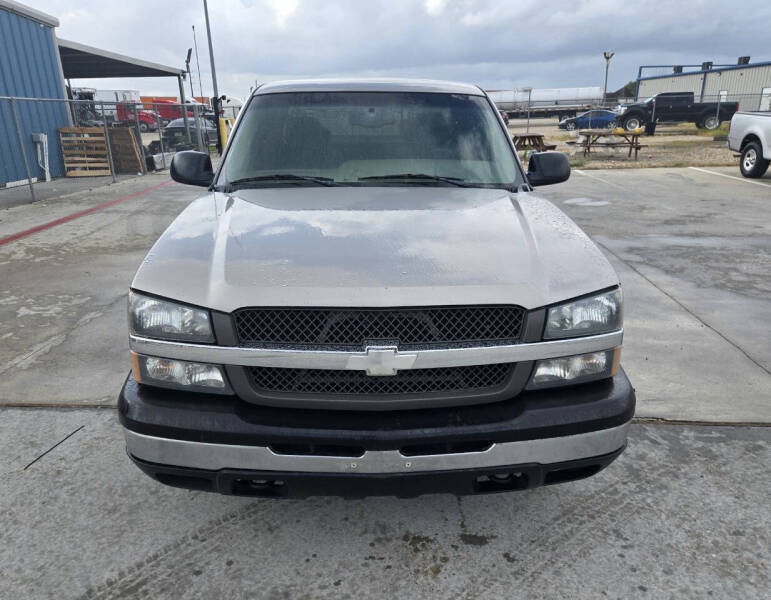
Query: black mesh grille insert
<point>356,327</point>
<point>410,381</point>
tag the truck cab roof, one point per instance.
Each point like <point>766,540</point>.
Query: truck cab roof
<point>369,85</point>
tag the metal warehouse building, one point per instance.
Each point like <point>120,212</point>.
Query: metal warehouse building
<point>34,66</point>
<point>29,67</point>
<point>748,84</point>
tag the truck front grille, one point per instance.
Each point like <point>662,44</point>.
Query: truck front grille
<point>411,381</point>
<point>357,327</point>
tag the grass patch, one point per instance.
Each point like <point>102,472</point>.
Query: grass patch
<point>722,130</point>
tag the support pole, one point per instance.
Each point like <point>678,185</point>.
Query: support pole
<point>139,140</point>
<point>184,108</point>
<point>160,135</point>
<point>21,145</point>
<point>107,140</point>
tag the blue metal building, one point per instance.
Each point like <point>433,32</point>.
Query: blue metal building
<point>29,67</point>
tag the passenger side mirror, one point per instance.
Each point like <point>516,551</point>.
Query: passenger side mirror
<point>546,168</point>
<point>192,168</point>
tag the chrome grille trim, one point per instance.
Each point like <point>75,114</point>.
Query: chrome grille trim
<point>321,359</point>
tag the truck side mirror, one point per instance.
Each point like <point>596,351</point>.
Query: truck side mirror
<point>546,168</point>
<point>192,168</point>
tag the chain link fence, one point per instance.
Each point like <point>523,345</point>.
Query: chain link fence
<point>532,116</point>
<point>43,138</point>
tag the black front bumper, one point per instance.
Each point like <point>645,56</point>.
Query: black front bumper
<point>281,484</point>
<point>533,415</point>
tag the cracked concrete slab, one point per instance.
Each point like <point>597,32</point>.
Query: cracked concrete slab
<point>680,514</point>
<point>693,257</point>
<point>63,337</point>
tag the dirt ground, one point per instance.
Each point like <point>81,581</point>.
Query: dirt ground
<point>675,145</point>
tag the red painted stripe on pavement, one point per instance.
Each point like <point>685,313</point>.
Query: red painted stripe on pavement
<point>77,215</point>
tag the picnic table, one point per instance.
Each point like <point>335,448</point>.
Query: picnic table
<point>530,141</point>
<point>627,138</point>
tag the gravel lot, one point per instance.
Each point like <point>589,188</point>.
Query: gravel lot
<point>674,145</point>
<point>682,514</point>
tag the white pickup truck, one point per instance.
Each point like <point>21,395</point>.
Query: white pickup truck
<point>750,134</point>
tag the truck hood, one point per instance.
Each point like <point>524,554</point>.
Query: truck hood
<point>374,247</point>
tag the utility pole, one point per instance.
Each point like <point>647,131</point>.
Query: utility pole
<point>608,55</point>
<point>216,98</point>
<point>211,51</point>
<point>197,64</point>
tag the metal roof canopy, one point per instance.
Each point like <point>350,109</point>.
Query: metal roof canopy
<point>86,62</point>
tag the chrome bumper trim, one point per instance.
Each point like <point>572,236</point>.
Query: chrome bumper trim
<point>424,359</point>
<point>197,455</point>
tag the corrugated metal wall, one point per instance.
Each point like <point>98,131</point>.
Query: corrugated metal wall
<point>743,85</point>
<point>682,83</point>
<point>29,67</point>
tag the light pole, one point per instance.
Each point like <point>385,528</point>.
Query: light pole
<point>608,55</point>
<point>187,67</point>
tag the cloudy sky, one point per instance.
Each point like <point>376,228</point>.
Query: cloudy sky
<point>498,44</point>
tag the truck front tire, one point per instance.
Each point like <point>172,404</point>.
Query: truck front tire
<point>632,123</point>
<point>752,164</point>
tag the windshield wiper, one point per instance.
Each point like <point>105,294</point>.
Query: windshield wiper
<point>278,177</point>
<point>424,176</point>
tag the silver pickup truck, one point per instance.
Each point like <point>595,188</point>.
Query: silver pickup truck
<point>369,299</point>
<point>750,134</point>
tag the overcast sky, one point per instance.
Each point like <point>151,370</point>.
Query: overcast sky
<point>498,44</point>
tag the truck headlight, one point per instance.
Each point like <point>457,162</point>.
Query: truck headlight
<point>179,374</point>
<point>574,369</point>
<point>165,320</point>
<point>588,316</point>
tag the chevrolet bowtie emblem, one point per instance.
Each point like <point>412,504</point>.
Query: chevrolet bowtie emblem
<point>381,360</point>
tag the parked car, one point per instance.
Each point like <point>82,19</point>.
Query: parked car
<point>750,134</point>
<point>504,116</point>
<point>676,107</point>
<point>591,119</point>
<point>369,299</point>
<point>175,138</point>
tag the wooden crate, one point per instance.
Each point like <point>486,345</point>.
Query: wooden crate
<point>126,157</point>
<point>84,150</point>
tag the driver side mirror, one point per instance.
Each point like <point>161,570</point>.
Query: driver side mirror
<point>192,168</point>
<point>546,168</point>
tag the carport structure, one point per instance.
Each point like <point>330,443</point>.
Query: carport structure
<point>80,61</point>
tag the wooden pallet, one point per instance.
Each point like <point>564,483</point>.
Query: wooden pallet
<point>125,150</point>
<point>84,150</point>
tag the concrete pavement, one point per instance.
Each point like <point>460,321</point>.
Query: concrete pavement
<point>682,514</point>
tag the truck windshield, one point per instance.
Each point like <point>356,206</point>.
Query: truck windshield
<point>370,138</point>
